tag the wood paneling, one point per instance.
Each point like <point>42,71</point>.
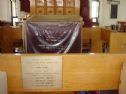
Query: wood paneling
<point>32,7</point>
<point>56,7</point>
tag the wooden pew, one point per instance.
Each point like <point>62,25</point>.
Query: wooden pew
<point>7,43</point>
<point>86,39</point>
<point>80,72</point>
<point>17,38</point>
<point>64,92</point>
<point>92,33</point>
<point>105,37</point>
<point>96,42</point>
<point>117,42</point>
<point>9,37</point>
<point>17,33</point>
<point>105,34</point>
<point>92,37</point>
<point>0,37</point>
<point>100,39</point>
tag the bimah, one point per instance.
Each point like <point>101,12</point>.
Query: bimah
<point>53,34</point>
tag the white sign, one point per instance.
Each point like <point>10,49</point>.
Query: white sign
<point>42,72</point>
<point>3,83</point>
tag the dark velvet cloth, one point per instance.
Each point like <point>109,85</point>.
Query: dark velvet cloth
<point>25,5</point>
<point>53,37</point>
<point>84,12</point>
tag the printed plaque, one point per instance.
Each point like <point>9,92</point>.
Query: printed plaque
<point>42,72</point>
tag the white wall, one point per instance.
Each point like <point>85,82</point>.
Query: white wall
<point>105,9</point>
<point>5,11</point>
<point>104,17</point>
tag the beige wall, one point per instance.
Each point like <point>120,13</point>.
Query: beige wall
<point>105,10</point>
<point>5,10</point>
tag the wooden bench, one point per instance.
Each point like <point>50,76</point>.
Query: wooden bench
<point>103,40</point>
<point>9,37</point>
<point>117,42</point>
<point>80,72</point>
<point>94,36</point>
<point>0,37</point>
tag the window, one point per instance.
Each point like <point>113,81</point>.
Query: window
<point>15,7</point>
<point>114,11</point>
<point>94,11</point>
